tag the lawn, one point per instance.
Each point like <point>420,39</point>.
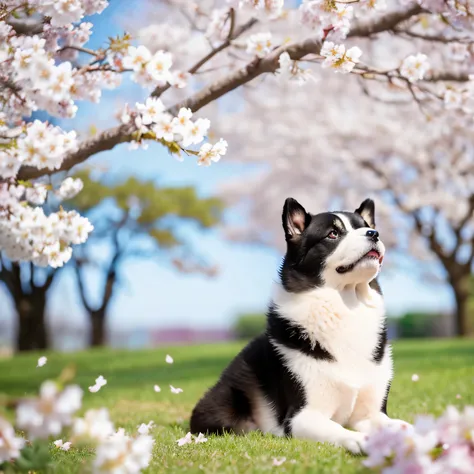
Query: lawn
<point>445,369</point>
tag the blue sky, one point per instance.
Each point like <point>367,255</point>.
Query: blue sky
<point>152,293</point>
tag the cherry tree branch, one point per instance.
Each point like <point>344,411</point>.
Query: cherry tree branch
<point>387,23</point>
<point>434,38</point>
<point>429,233</point>
<point>27,26</point>
<point>258,66</point>
<point>102,142</point>
<point>442,76</point>
<point>82,50</point>
<point>231,36</point>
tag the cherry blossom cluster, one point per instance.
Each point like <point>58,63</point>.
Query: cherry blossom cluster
<point>35,78</point>
<point>218,28</point>
<point>291,71</point>
<point>10,443</point>
<point>65,12</point>
<point>437,446</point>
<point>272,8</point>
<point>52,412</point>
<point>323,16</point>
<point>27,233</point>
<point>259,44</point>
<point>460,97</point>
<point>41,146</point>
<point>43,71</point>
<point>116,451</point>
<point>152,70</point>
<point>338,58</point>
<point>64,40</point>
<point>153,121</point>
<point>415,67</point>
<point>36,75</point>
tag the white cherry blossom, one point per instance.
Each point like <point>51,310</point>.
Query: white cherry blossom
<point>50,412</point>
<point>415,67</point>
<point>10,444</point>
<point>259,44</point>
<point>212,153</point>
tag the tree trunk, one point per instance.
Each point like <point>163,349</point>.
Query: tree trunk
<point>31,322</point>
<point>97,328</point>
<point>463,317</point>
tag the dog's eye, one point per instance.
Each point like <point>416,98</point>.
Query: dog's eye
<point>334,234</point>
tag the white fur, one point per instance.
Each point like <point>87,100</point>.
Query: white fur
<point>265,418</point>
<point>353,246</point>
<point>350,390</point>
<point>345,221</point>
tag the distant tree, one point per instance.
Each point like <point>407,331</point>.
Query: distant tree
<point>28,286</point>
<point>137,219</point>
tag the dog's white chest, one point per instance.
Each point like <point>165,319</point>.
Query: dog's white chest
<point>350,335</point>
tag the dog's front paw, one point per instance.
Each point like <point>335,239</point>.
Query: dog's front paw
<point>397,424</point>
<point>355,443</point>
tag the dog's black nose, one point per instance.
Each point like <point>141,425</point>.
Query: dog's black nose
<point>372,235</point>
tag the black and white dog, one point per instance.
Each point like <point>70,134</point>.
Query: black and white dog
<point>323,363</point>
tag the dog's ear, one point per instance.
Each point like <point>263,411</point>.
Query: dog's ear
<point>295,218</point>
<point>367,211</point>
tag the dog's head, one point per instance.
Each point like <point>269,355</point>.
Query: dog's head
<point>334,249</point>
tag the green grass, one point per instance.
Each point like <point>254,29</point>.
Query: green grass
<point>445,368</point>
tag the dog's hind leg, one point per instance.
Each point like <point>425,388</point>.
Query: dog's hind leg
<point>223,409</point>
<point>313,425</point>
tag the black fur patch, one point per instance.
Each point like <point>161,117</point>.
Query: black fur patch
<point>374,284</point>
<point>275,380</point>
<point>258,371</point>
<point>383,409</point>
<point>379,350</point>
<point>293,336</point>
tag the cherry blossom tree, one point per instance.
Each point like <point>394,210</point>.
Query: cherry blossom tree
<point>140,220</point>
<point>135,219</point>
<point>332,93</point>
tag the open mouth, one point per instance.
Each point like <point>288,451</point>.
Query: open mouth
<point>372,254</point>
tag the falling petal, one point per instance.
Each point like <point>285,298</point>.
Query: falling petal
<point>278,461</point>
<point>186,440</point>
<point>200,439</point>
<point>66,446</point>
<point>100,381</point>
<point>175,390</point>
<point>145,428</point>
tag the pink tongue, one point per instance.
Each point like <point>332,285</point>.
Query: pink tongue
<point>373,253</point>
